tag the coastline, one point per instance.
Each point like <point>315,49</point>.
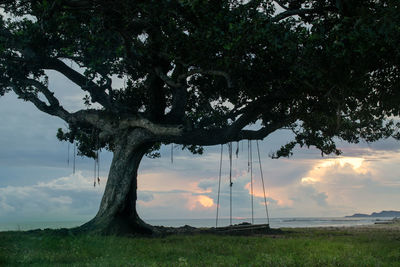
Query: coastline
<point>275,223</point>
<point>391,225</point>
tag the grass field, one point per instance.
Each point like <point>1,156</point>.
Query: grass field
<point>362,246</point>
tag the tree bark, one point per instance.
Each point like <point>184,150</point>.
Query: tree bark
<point>117,214</point>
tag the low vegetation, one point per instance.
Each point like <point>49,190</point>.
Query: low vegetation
<point>365,246</point>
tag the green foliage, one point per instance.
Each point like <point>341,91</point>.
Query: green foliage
<point>87,141</point>
<point>194,149</point>
<point>297,247</point>
<point>331,71</point>
<point>152,152</point>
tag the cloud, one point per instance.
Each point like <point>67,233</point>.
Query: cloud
<point>305,193</point>
<point>65,198</point>
<point>145,196</point>
<point>194,197</point>
<point>199,202</point>
<point>75,182</point>
<point>189,188</point>
<point>347,185</point>
<point>305,185</point>
<point>5,207</point>
<point>35,182</point>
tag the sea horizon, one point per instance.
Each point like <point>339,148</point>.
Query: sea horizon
<point>282,222</point>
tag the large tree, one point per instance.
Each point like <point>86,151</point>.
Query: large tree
<point>198,73</point>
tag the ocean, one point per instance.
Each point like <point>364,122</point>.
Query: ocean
<point>274,222</point>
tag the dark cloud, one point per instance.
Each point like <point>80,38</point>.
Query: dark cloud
<point>306,193</point>
<point>145,196</point>
<point>206,184</point>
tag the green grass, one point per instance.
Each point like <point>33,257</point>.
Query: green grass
<point>298,247</point>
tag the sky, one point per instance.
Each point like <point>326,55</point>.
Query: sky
<point>36,183</point>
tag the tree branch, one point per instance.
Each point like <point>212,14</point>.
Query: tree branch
<point>131,55</point>
<point>157,100</point>
<point>179,93</point>
<point>168,81</point>
<point>45,91</point>
<point>301,12</point>
<point>96,92</point>
<point>248,114</point>
<point>54,108</point>
<point>176,84</point>
<point>154,128</point>
<point>101,120</point>
<point>212,137</point>
<point>261,133</point>
<point>281,4</point>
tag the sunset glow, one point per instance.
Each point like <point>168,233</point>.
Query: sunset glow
<point>198,202</point>
<point>308,180</point>
<point>205,201</point>
<point>355,163</point>
<point>317,172</point>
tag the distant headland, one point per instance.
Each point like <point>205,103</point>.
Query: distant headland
<point>384,213</point>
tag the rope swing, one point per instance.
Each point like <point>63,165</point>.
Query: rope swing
<point>230,182</point>
<point>95,169</point>
<point>262,180</point>
<point>98,167</point>
<point>251,180</point>
<point>97,163</point>
<point>219,184</point>
<point>68,156</point>
<point>250,171</point>
<point>73,168</point>
<point>96,157</point>
<point>248,155</point>
<point>237,150</point>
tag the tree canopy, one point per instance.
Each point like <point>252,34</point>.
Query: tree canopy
<point>201,72</point>
<point>320,68</point>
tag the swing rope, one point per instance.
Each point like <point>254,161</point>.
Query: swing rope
<point>95,168</point>
<point>219,184</point>
<point>97,162</point>
<point>230,181</point>
<point>250,169</point>
<point>68,156</point>
<point>251,181</point>
<point>248,155</point>
<point>74,157</point>
<point>98,167</point>
<point>237,150</point>
<point>262,180</point>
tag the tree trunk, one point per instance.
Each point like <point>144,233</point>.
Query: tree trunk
<point>117,214</point>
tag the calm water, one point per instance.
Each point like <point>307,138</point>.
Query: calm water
<point>274,223</point>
